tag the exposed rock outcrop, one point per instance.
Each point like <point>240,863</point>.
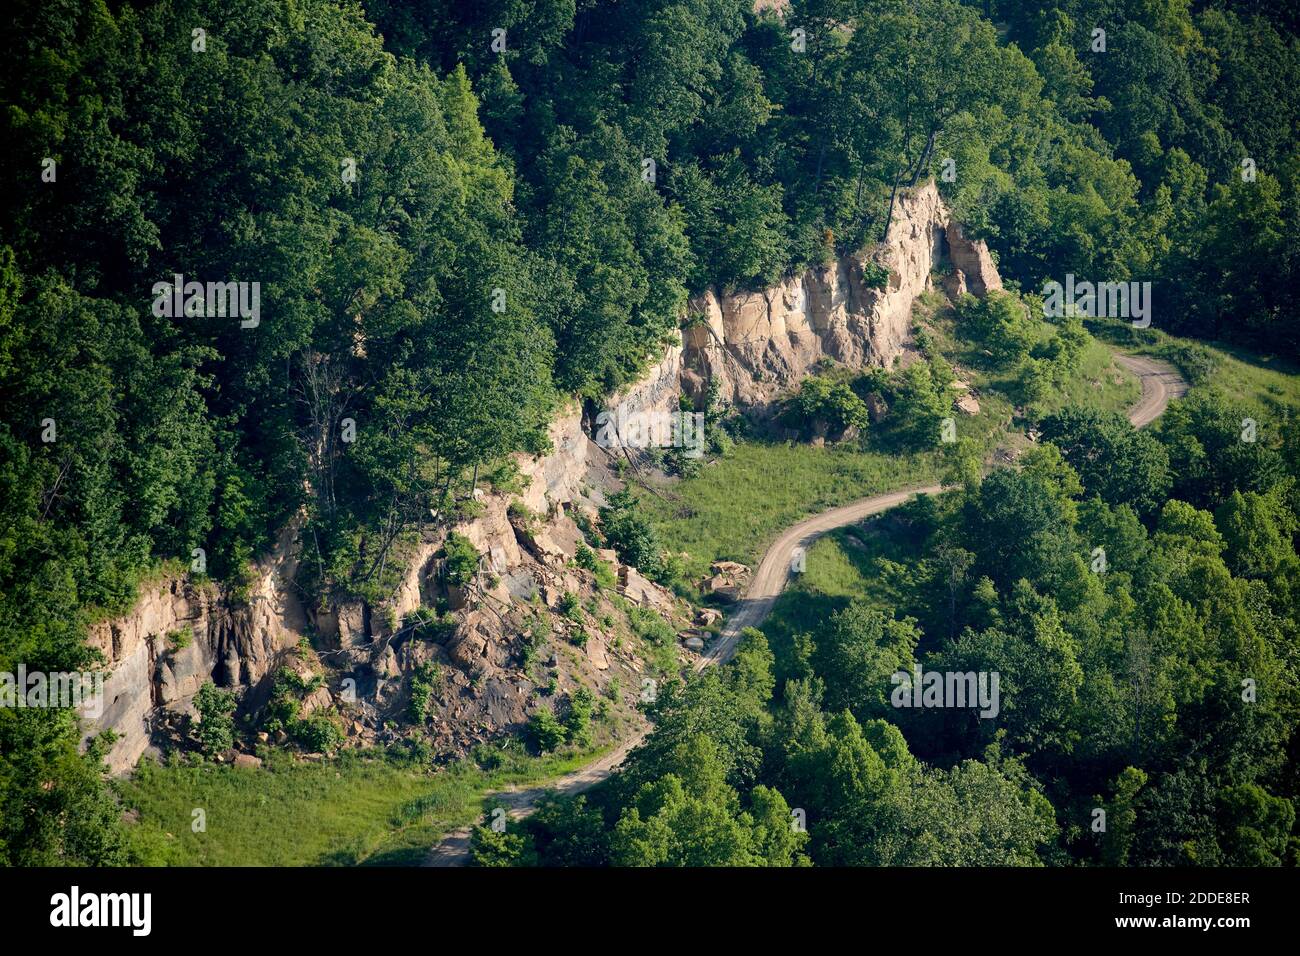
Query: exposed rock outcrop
<point>753,344</point>
<point>727,582</point>
<point>179,636</point>
<point>972,261</point>
<point>657,388</point>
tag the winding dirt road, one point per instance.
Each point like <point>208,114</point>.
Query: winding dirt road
<point>1160,384</point>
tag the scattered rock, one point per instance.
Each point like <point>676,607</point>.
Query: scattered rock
<point>728,580</point>
<point>247,760</point>
<point>720,587</point>
<point>708,616</point>
<point>641,591</point>
<point>595,649</point>
<point>967,405</point>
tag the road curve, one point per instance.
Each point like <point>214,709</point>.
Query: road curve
<point>454,848</point>
<point>774,569</point>
<point>1160,383</point>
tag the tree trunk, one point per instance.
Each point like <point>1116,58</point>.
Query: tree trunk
<point>889,216</point>
<point>925,155</point>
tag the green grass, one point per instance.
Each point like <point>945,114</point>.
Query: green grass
<point>1099,384</point>
<point>1267,385</point>
<point>354,810</point>
<point>739,503</point>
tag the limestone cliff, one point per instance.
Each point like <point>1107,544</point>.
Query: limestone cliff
<point>182,634</point>
<point>753,344</point>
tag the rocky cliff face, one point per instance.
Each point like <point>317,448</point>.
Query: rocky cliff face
<point>753,344</point>
<point>179,636</point>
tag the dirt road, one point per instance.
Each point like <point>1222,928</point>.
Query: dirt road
<point>1160,383</point>
<point>774,570</point>
<point>454,848</point>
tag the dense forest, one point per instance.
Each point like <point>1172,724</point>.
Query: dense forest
<point>461,214</point>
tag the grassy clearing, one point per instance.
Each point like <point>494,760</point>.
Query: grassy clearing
<point>739,503</point>
<point>1097,383</point>
<point>1265,383</point>
<point>355,810</point>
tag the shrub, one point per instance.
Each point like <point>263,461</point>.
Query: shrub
<point>570,606</point>
<point>504,477</point>
<point>216,729</point>
<point>577,720</point>
<point>588,560</point>
<point>423,681</point>
<point>999,321</point>
<point>487,847</point>
<point>1194,361</point>
<point>318,734</point>
<point>1033,381</point>
<point>462,559</point>
<point>180,638</point>
<point>286,692</point>
<point>521,513</point>
<point>874,275</point>
<point>545,730</point>
<point>650,626</point>
<point>922,402</point>
<point>824,400</point>
<point>427,623</point>
<point>630,535</point>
